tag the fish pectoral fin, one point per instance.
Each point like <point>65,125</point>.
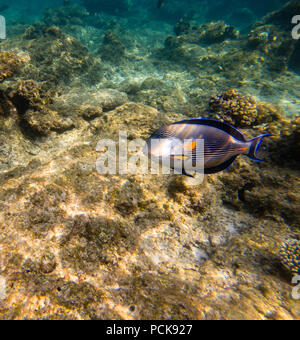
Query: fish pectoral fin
<point>180,157</point>
<point>191,146</point>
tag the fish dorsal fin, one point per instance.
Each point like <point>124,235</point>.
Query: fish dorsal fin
<point>220,167</point>
<point>163,133</point>
<point>231,130</point>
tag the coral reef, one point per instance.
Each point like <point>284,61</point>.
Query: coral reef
<point>285,142</point>
<point>39,112</point>
<point>112,48</point>
<point>294,59</point>
<point>141,242</point>
<point>58,58</point>
<point>282,17</point>
<point>242,111</point>
<point>30,103</point>
<point>189,47</point>
<point>290,256</point>
<point>210,33</point>
<point>79,244</point>
<point>275,45</point>
<point>182,27</point>
<point>71,14</point>
<point>274,32</point>
<point>10,63</point>
<point>6,106</point>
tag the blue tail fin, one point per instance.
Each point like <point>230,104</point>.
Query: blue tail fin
<point>255,143</point>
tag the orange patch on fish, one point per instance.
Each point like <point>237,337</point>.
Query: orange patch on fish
<point>190,146</point>
<point>242,149</point>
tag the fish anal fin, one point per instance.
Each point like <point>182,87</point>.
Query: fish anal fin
<point>183,172</point>
<point>220,167</point>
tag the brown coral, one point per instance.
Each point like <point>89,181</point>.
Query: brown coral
<point>285,144</point>
<point>267,113</point>
<point>242,111</point>
<point>57,58</point>
<point>9,65</point>
<point>276,46</point>
<point>210,33</point>
<point>112,48</point>
<point>30,100</point>
<point>282,17</point>
<point>6,105</point>
<point>273,36</point>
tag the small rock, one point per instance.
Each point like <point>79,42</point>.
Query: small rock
<point>109,99</point>
<point>47,264</point>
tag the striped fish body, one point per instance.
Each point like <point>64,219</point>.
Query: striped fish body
<point>222,144</point>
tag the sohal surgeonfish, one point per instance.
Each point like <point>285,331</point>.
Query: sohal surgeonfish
<point>222,144</point>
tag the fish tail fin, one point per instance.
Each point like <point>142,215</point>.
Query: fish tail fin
<point>255,143</point>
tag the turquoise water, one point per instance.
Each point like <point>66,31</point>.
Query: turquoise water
<point>171,10</point>
<point>142,29</point>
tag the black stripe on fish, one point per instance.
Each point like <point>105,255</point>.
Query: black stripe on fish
<point>231,130</point>
<point>220,167</point>
<point>194,156</point>
<point>220,152</point>
<point>217,153</point>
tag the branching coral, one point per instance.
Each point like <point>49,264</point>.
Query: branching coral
<point>242,111</point>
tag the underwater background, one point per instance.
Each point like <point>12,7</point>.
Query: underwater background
<point>75,244</point>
